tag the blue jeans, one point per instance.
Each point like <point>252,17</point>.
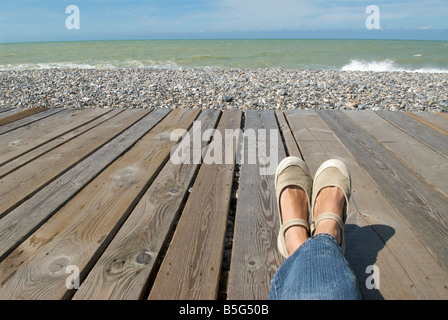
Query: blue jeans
<point>317,270</point>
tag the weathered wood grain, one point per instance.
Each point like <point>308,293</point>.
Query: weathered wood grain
<point>421,207</point>
<point>20,223</point>
<point>420,131</point>
<point>431,120</point>
<point>375,231</point>
<point>443,115</point>
<point>255,257</point>
<point>9,112</point>
<point>79,232</point>
<point>29,156</point>
<point>24,139</point>
<point>3,109</point>
<point>423,160</point>
<point>23,113</point>
<point>17,186</point>
<point>112,208</point>
<point>28,120</point>
<point>123,271</point>
<point>192,265</point>
<point>290,143</point>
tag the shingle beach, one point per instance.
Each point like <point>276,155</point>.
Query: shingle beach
<point>225,89</point>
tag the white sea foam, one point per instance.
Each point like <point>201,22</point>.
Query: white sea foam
<point>101,65</point>
<point>43,66</point>
<point>387,65</point>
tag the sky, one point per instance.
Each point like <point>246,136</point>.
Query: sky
<point>46,20</point>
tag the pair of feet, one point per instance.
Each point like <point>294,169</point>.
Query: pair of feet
<point>294,204</point>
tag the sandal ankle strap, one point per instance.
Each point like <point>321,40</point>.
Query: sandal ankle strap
<point>295,223</point>
<point>324,216</point>
<point>281,236</point>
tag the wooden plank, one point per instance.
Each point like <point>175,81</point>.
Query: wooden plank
<point>123,271</point>
<point>20,115</point>
<point>443,115</point>
<point>17,186</point>
<point>28,120</point>
<point>79,232</point>
<point>52,144</point>
<point>316,141</point>
<point>191,267</point>
<point>430,119</point>
<point>20,223</point>
<point>372,222</point>
<point>431,166</point>
<point>25,139</point>
<point>434,139</point>
<point>10,112</point>
<point>318,144</point>
<point>3,109</point>
<point>290,143</point>
<point>421,207</point>
<point>255,257</point>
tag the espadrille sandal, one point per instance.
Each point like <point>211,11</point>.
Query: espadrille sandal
<point>332,173</point>
<point>291,171</point>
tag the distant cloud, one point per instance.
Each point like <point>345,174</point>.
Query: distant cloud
<point>258,15</point>
<point>27,20</point>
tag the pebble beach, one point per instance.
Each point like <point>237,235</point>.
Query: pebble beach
<point>207,88</point>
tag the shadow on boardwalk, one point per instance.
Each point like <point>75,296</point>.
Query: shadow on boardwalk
<point>363,247</point>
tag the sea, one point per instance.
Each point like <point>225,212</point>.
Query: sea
<point>349,55</point>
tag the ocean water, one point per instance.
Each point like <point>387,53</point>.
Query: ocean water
<point>351,55</point>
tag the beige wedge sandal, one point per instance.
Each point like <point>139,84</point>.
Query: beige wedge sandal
<point>332,173</point>
<point>291,171</point>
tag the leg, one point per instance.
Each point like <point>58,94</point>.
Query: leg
<point>317,270</point>
<point>294,204</point>
<point>329,199</point>
<point>293,185</point>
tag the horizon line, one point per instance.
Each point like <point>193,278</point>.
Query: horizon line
<point>315,34</point>
<point>219,39</point>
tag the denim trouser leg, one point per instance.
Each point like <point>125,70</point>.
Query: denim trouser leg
<point>317,270</point>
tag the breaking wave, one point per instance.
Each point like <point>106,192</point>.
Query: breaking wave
<point>385,66</point>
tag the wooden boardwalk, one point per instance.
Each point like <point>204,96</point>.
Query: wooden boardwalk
<point>96,191</point>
